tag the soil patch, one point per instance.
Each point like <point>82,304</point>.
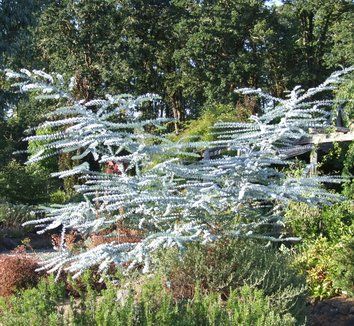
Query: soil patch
<point>337,311</point>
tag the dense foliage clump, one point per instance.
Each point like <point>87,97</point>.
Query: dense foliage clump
<point>152,304</point>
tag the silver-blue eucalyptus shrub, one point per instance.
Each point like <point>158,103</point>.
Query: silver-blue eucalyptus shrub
<point>165,188</point>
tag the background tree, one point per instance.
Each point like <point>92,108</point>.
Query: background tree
<point>192,53</point>
<point>316,40</point>
<point>18,49</point>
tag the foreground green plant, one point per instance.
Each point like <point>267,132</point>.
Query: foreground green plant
<point>326,254</point>
<point>36,306</point>
<point>152,304</point>
<point>329,267</point>
<point>229,265</point>
<point>343,276</point>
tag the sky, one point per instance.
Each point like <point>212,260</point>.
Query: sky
<point>276,2</point>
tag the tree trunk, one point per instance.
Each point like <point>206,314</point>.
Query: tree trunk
<point>177,109</point>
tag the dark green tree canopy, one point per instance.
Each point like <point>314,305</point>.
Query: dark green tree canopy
<point>192,53</point>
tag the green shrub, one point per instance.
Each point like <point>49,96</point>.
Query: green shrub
<point>155,305</point>
<point>315,258</point>
<point>12,215</point>
<point>151,303</point>
<point>329,267</point>
<point>230,265</point>
<point>251,307</point>
<point>25,184</point>
<point>11,218</point>
<point>245,306</point>
<point>109,311</point>
<point>348,171</point>
<point>326,249</point>
<point>36,306</point>
<point>343,265</point>
<point>59,197</point>
<point>331,222</point>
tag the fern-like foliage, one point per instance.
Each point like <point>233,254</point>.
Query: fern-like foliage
<point>284,121</point>
<point>162,190</point>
